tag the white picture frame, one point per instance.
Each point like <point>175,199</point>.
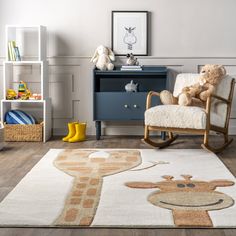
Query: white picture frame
<point>130,32</point>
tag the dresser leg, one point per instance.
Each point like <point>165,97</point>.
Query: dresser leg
<point>163,135</point>
<point>98,129</point>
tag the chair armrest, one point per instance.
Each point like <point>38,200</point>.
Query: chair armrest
<point>220,98</point>
<point>149,98</point>
<point>209,100</point>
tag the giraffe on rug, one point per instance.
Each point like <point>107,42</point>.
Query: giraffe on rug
<point>189,200</point>
<point>88,172</point>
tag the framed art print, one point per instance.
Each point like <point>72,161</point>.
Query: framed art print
<point>130,32</point>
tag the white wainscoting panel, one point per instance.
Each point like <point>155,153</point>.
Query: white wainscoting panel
<point>70,86</point>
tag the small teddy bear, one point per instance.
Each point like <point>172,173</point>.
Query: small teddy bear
<point>197,94</point>
<point>102,58</point>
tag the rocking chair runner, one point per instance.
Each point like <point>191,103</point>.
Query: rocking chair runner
<point>191,120</point>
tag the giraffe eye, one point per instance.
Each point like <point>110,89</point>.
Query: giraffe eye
<point>191,185</point>
<point>180,185</point>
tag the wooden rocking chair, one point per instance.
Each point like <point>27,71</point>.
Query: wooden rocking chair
<point>191,120</point>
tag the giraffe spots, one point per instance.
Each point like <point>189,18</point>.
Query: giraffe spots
<point>92,192</point>
<point>131,158</point>
<point>88,168</point>
<point>86,221</point>
<point>94,181</point>
<point>72,163</point>
<point>98,160</point>
<point>83,179</point>
<point>77,193</point>
<point>84,170</point>
<point>81,185</point>
<point>75,201</point>
<point>88,203</point>
<point>71,214</point>
<point>62,158</point>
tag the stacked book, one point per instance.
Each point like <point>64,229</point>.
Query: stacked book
<point>131,68</point>
<point>13,51</point>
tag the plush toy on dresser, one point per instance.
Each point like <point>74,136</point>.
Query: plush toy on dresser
<point>197,94</point>
<point>131,61</point>
<point>103,57</point>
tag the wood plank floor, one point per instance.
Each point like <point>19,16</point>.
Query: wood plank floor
<point>18,158</point>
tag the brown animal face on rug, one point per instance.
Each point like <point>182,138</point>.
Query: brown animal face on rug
<point>189,200</point>
<point>88,171</point>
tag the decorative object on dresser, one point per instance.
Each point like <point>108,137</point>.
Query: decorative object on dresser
<point>131,61</point>
<point>130,32</point>
<point>113,103</point>
<point>31,43</point>
<point>131,87</point>
<point>131,68</point>
<point>192,119</point>
<point>103,57</point>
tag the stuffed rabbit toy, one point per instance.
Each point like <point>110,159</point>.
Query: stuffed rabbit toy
<point>103,57</point>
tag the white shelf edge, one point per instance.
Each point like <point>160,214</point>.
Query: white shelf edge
<point>23,101</point>
<point>23,62</point>
<point>24,26</point>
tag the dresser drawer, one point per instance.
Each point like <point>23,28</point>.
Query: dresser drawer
<point>112,106</point>
<point>138,104</point>
<point>121,105</point>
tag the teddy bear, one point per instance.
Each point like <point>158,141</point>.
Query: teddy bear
<point>197,94</point>
<point>103,57</point>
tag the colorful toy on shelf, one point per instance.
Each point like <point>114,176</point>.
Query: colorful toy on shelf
<point>11,94</point>
<point>35,96</point>
<point>23,92</point>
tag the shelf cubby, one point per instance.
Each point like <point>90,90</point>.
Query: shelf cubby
<point>31,41</point>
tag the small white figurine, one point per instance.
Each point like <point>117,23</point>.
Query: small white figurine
<point>131,61</point>
<point>131,87</point>
<point>102,58</point>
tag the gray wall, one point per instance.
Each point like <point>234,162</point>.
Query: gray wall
<point>184,35</point>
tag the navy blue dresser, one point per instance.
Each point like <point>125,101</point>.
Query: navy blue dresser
<point>112,103</point>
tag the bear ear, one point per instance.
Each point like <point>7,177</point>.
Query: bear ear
<point>223,70</point>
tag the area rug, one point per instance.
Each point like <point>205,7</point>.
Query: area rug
<point>143,188</point>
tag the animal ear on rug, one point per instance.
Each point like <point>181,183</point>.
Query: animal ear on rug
<point>221,183</point>
<point>141,185</point>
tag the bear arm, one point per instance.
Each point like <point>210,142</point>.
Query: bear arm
<point>210,89</point>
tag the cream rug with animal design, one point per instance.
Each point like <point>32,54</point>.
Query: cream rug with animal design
<point>124,188</point>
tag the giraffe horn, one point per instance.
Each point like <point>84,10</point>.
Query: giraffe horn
<point>168,177</point>
<point>187,177</point>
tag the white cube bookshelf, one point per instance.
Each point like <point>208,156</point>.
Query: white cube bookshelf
<point>32,42</point>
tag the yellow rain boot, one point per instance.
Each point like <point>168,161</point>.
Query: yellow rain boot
<point>71,131</point>
<point>80,134</point>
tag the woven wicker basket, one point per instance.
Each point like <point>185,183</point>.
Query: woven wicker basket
<point>1,135</point>
<point>23,133</point>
